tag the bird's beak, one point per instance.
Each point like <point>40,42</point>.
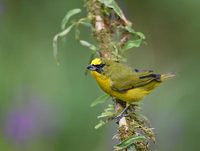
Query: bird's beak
<point>91,67</point>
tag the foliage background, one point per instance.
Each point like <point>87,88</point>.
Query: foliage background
<point>46,107</point>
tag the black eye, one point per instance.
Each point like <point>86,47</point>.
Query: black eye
<point>101,65</point>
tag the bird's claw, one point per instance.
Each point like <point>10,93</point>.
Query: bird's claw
<point>118,117</point>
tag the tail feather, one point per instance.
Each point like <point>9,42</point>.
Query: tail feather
<point>167,76</point>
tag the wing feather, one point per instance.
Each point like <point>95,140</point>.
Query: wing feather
<point>124,78</point>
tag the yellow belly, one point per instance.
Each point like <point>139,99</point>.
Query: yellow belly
<point>129,96</point>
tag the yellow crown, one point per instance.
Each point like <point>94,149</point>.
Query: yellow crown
<point>96,61</point>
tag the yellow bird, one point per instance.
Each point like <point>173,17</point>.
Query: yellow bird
<point>124,83</point>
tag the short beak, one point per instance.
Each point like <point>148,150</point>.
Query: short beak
<point>91,67</point>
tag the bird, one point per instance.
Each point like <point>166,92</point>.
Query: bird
<point>123,82</point>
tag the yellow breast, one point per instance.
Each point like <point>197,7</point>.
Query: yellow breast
<point>128,96</point>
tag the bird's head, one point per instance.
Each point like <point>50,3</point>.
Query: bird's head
<point>97,65</point>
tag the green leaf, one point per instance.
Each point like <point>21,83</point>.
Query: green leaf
<point>141,35</point>
<point>132,43</point>
<point>100,124</point>
<point>112,4</point>
<point>68,16</point>
<point>83,21</point>
<point>100,100</point>
<point>86,23</point>
<point>110,108</point>
<point>108,112</point>
<point>130,30</point>
<point>55,41</point>
<point>128,142</point>
<point>105,114</point>
<point>89,45</point>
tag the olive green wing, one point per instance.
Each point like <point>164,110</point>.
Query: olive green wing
<point>124,78</point>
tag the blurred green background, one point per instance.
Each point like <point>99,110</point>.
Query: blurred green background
<point>44,107</point>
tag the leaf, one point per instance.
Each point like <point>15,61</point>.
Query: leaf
<point>86,23</point>
<point>100,100</point>
<point>141,35</point>
<point>132,43</point>
<point>130,30</point>
<point>100,124</point>
<point>55,41</point>
<point>106,114</point>
<point>128,142</point>
<point>89,45</point>
<point>110,108</point>
<point>112,4</point>
<point>68,16</point>
<point>83,21</point>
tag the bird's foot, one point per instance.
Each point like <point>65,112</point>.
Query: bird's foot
<point>122,114</point>
<point>119,117</point>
